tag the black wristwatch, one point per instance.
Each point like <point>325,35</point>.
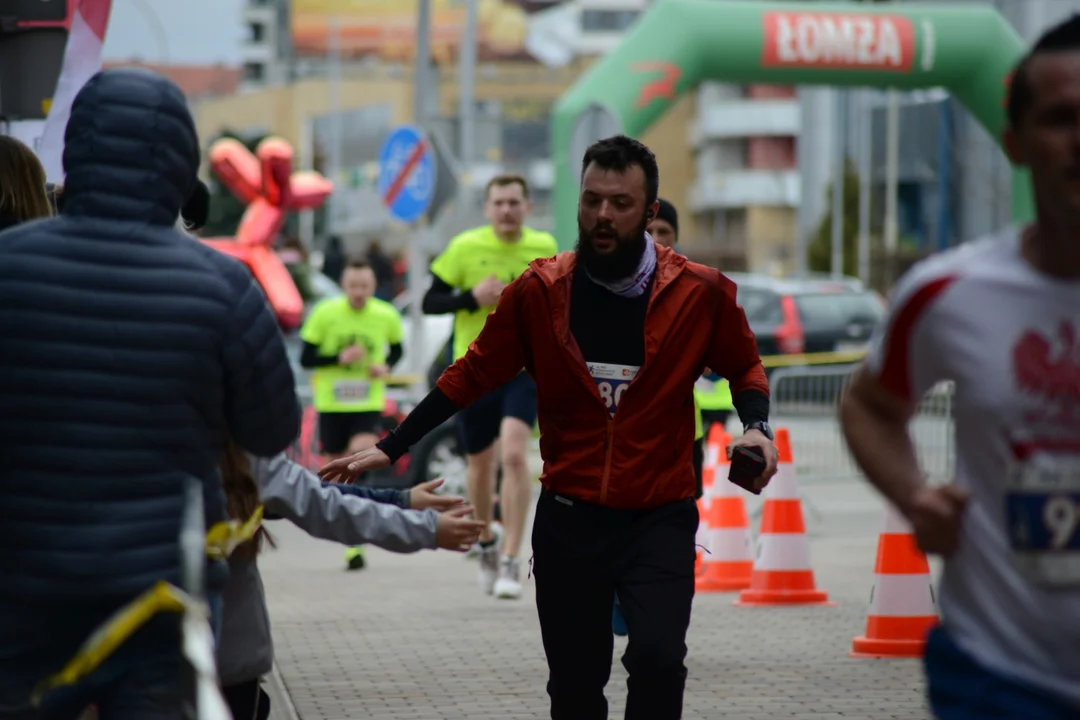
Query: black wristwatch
<point>762,427</point>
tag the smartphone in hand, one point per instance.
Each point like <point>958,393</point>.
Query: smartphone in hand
<point>746,466</point>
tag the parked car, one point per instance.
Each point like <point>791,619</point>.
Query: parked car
<point>810,314</point>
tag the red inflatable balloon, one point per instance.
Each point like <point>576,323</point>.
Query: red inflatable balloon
<point>265,182</point>
<point>278,285</point>
<point>309,190</point>
<point>237,168</point>
<point>261,221</point>
<point>275,158</point>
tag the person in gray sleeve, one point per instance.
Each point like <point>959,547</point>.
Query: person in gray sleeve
<point>403,522</point>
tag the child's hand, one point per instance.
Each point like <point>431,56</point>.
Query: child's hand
<point>456,531</point>
<point>423,497</point>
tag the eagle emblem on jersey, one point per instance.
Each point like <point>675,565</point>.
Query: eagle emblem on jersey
<point>1049,367</point>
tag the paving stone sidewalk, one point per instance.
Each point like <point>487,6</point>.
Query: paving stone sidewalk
<point>411,637</point>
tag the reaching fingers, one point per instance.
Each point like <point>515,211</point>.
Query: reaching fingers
<point>443,504</point>
<point>333,469</point>
<point>430,485</point>
<point>460,512</point>
<point>358,465</point>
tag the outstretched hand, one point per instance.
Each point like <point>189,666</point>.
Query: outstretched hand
<point>347,469</point>
<point>456,531</point>
<point>423,497</point>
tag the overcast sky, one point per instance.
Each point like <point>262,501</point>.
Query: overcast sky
<point>185,31</point>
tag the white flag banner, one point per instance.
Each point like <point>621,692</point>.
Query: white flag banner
<point>82,60</point>
<point>552,33</point>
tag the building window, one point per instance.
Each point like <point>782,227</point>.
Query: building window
<point>254,72</point>
<point>256,32</point>
<point>607,20</point>
<point>526,140</point>
<point>771,153</point>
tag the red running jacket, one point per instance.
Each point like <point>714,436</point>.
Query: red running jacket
<point>640,457</point>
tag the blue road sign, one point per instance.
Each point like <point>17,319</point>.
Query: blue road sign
<point>407,173</point>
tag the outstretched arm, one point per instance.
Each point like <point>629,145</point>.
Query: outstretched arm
<point>290,491</point>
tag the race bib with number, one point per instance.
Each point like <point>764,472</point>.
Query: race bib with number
<point>612,381</point>
<point>350,391</point>
<point>1042,507</point>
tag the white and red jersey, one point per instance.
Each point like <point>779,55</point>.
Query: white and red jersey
<point>1009,339</point>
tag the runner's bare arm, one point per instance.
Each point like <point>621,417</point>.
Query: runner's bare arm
<point>874,422</point>
<point>905,361</point>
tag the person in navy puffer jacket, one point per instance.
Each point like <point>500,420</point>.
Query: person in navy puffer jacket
<point>129,351</point>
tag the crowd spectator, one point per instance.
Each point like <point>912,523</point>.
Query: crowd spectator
<point>334,259</point>
<point>130,353</point>
<point>23,193</point>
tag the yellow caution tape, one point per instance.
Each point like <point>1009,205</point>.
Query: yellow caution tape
<point>163,597</point>
<point>226,536</point>
<point>769,361</point>
<point>404,379</point>
<point>822,358</point>
<point>221,540</point>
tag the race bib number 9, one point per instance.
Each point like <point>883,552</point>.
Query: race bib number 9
<point>1042,506</point>
<point>350,391</point>
<point>612,381</point>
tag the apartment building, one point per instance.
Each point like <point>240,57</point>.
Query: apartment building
<point>746,188</point>
<point>266,51</point>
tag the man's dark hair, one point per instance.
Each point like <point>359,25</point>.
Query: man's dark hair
<point>1064,37</point>
<point>506,179</point>
<point>620,153</point>
<point>358,262</point>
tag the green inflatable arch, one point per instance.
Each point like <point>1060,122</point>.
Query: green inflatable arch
<point>677,44</point>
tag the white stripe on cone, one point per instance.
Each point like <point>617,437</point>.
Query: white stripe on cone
<point>783,551</point>
<point>783,485</point>
<point>902,596</point>
<point>702,537</point>
<point>730,544</point>
<point>895,522</point>
<point>82,60</point>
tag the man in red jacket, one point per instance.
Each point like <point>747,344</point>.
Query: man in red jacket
<point>614,334</point>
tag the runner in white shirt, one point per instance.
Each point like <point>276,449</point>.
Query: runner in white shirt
<point>1001,319</point>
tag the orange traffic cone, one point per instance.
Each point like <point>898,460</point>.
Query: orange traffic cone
<point>902,608</point>
<point>715,447</point>
<point>730,560</point>
<point>782,574</point>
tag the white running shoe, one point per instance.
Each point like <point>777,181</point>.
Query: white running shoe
<point>474,551</point>
<point>508,585</point>
<point>489,567</point>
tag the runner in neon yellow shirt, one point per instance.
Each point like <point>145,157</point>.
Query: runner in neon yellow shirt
<point>467,279</point>
<point>351,342</point>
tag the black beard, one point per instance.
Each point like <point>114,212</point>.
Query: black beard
<point>617,265</point>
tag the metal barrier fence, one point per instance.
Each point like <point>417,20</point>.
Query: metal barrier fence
<point>805,400</point>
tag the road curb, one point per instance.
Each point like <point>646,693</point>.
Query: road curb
<point>281,704</point>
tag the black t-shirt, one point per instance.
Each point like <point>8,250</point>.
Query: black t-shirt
<point>610,331</point>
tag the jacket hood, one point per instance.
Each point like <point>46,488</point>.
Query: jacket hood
<point>130,148</point>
